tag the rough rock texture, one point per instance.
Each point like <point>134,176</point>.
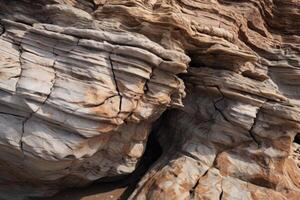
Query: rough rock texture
<point>296,153</point>
<point>82,82</point>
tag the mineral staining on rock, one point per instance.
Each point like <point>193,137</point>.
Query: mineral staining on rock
<point>82,82</point>
<point>77,104</point>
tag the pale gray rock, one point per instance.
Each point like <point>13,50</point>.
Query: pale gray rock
<point>82,84</point>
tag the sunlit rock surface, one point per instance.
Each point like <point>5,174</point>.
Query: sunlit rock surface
<point>82,82</point>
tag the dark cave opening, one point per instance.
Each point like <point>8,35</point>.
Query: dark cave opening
<point>152,153</point>
<point>297,138</point>
<point>124,183</point>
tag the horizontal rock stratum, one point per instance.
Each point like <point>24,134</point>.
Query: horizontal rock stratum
<point>82,84</point>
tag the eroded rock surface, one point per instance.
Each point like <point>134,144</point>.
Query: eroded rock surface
<point>82,82</point>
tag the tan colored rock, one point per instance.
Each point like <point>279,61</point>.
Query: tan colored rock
<point>296,153</point>
<point>82,82</point>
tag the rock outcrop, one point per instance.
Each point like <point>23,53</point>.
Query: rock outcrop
<point>82,83</point>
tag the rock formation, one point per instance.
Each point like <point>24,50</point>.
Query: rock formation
<point>83,82</point>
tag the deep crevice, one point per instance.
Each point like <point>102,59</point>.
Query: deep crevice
<point>221,195</point>
<point>2,29</point>
<point>254,28</point>
<point>297,138</point>
<point>152,153</point>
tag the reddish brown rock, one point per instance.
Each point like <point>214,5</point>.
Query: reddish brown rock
<point>82,82</point>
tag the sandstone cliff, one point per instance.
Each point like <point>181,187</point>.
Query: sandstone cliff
<point>83,82</point>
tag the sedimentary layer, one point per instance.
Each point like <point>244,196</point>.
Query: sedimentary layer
<point>82,82</point>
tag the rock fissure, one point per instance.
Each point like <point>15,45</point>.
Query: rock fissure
<point>93,77</point>
<point>2,29</point>
<point>116,82</point>
<point>20,49</point>
<point>23,131</point>
<point>251,133</point>
<point>188,154</point>
<point>4,113</point>
<point>221,194</point>
<point>32,114</point>
<point>192,191</point>
<point>43,103</point>
<point>146,88</point>
<point>297,138</point>
<point>216,105</point>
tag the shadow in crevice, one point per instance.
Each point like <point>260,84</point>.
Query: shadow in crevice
<point>152,153</point>
<point>2,29</point>
<point>120,187</point>
<point>297,138</point>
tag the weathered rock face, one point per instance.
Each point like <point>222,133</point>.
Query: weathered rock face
<point>82,82</point>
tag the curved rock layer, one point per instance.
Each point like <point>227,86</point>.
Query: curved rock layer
<point>81,83</point>
<point>77,104</point>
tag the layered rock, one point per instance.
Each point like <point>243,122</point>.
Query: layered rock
<point>81,83</point>
<point>77,104</point>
